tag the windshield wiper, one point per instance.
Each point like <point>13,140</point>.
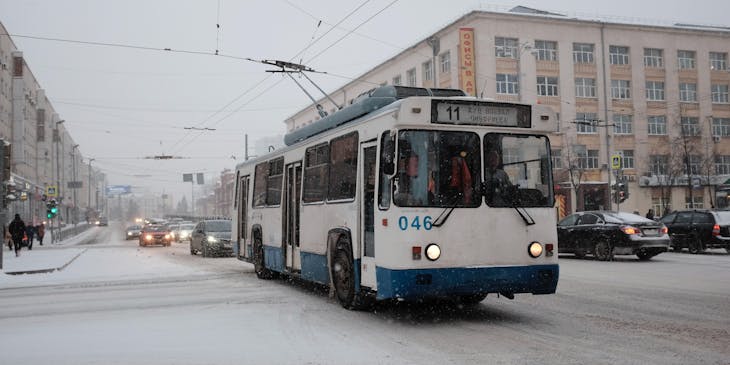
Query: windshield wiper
<point>441,219</point>
<point>513,198</point>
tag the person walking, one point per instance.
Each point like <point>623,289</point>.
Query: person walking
<point>650,214</point>
<point>41,229</point>
<point>17,231</point>
<point>30,233</point>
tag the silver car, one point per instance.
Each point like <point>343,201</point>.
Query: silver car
<point>212,238</point>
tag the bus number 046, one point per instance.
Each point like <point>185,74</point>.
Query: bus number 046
<point>416,223</point>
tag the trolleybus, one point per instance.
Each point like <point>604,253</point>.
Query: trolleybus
<point>408,194</point>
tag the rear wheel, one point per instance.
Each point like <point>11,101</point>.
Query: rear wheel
<point>258,261</point>
<point>696,246</point>
<point>603,251</point>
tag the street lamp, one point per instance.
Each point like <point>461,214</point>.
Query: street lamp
<point>76,206</point>
<point>88,186</point>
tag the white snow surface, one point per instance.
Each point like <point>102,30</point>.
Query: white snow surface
<point>118,303</point>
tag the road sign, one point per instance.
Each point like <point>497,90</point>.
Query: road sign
<point>75,184</point>
<point>616,162</point>
<point>118,190</point>
<point>51,191</point>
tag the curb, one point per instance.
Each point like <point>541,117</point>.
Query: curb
<point>44,271</point>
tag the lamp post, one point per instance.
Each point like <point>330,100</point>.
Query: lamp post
<point>73,164</point>
<point>88,186</point>
<point>57,140</point>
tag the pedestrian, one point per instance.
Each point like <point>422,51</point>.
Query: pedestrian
<point>41,229</point>
<point>17,231</point>
<point>650,214</point>
<point>30,232</point>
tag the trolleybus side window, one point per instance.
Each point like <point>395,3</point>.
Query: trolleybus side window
<point>316,170</point>
<point>343,167</point>
<point>274,181</point>
<point>437,169</point>
<point>259,185</point>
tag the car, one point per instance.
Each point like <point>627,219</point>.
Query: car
<point>132,232</point>
<point>155,234</point>
<point>211,237</point>
<point>183,233</point>
<point>605,234</point>
<point>174,230</point>
<point>698,229</point>
<point>102,221</point>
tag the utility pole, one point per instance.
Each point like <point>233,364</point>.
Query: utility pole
<point>76,205</point>
<point>57,140</point>
<point>88,186</point>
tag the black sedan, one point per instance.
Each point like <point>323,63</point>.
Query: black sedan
<point>605,234</point>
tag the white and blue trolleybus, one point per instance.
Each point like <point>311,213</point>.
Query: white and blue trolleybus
<point>407,193</point>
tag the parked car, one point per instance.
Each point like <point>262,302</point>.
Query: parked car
<point>605,234</point>
<point>132,232</point>
<point>211,237</point>
<point>184,232</point>
<point>154,234</point>
<point>699,229</point>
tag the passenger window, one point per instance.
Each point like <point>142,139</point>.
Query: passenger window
<point>684,217</point>
<point>273,183</point>
<point>568,221</point>
<point>588,219</point>
<point>316,170</point>
<point>259,184</point>
<point>702,218</point>
<point>343,167</point>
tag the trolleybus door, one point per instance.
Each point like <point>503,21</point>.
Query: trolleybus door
<point>367,216</point>
<point>290,219</point>
<point>242,217</point>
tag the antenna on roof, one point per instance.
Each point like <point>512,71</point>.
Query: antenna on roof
<point>289,68</point>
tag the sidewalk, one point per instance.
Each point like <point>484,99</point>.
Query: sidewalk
<point>46,258</point>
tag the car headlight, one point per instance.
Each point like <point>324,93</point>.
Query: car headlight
<point>129,233</point>
<point>212,239</point>
<point>433,252</point>
<point>167,236</point>
<point>148,237</point>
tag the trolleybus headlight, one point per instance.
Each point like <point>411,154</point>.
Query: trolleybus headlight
<point>433,252</point>
<point>535,249</point>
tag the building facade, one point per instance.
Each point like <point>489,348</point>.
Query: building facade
<point>654,97</point>
<point>43,153</point>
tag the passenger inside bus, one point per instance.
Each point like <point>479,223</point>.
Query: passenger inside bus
<point>497,182</point>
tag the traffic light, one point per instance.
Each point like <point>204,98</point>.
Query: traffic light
<point>51,209</point>
<point>623,192</point>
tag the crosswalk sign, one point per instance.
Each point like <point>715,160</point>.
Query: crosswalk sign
<point>616,162</point>
<point>51,190</point>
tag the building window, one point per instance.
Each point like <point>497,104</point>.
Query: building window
<point>653,57</point>
<point>586,122</point>
<point>697,202</point>
<point>547,86</point>
<point>686,60</point>
<point>721,127</point>
<point>695,162</point>
<point>658,164</point>
<point>618,55</point>
<point>585,87</point>
<point>506,47</point>
<point>507,84</point>
<point>411,77</point>
<point>427,71</point>
<point>445,62</point>
<point>627,159</point>
<point>720,94</point>
<point>622,124</point>
<point>557,158</point>
<point>621,89</point>
<point>583,52</point>
<point>722,165</point>
<point>589,160</point>
<point>397,81</point>
<point>655,90</point>
<point>688,92</point>
<point>690,126</point>
<point>718,61</point>
<point>659,204</point>
<point>657,125</point>
<point>546,50</point>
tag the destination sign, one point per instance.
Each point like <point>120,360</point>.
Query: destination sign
<point>481,113</point>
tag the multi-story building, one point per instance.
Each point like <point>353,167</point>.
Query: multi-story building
<point>655,96</point>
<point>43,153</point>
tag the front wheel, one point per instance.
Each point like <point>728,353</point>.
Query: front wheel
<point>603,251</point>
<point>259,263</point>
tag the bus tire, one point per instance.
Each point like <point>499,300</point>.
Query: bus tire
<point>343,277</point>
<point>258,260</point>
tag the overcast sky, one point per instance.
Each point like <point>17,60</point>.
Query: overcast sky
<point>123,104</point>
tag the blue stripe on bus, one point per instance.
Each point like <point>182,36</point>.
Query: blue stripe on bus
<point>273,259</point>
<point>423,283</point>
<point>314,268</point>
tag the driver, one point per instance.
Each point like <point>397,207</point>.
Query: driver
<point>497,180</point>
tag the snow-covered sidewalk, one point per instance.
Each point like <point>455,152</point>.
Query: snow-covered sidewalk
<point>47,258</point>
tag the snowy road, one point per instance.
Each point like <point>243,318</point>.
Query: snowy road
<point>121,304</point>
